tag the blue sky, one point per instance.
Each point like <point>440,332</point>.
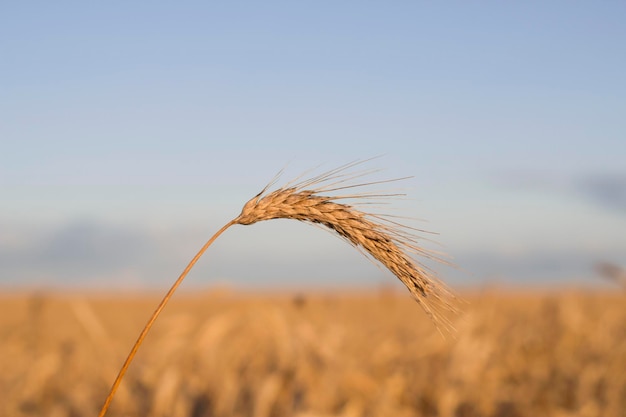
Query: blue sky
<point>130,132</point>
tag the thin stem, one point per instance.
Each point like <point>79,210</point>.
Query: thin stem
<point>154,316</point>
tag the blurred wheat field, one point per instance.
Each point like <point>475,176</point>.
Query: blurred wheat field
<point>315,355</point>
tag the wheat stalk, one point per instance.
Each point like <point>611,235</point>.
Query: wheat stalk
<point>380,237</point>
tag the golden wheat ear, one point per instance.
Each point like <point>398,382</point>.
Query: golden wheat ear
<point>381,237</point>
<point>320,200</point>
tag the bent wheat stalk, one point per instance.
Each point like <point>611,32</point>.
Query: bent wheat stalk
<point>377,236</point>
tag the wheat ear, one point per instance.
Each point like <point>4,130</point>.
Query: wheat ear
<point>378,236</point>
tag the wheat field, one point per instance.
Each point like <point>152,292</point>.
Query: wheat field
<point>228,353</point>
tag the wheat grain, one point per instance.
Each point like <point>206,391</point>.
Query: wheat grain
<point>387,241</point>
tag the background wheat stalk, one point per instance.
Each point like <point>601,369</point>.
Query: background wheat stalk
<point>378,236</point>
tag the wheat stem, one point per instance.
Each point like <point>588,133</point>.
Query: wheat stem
<point>154,316</point>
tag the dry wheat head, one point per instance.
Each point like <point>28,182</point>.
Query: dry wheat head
<point>379,236</point>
